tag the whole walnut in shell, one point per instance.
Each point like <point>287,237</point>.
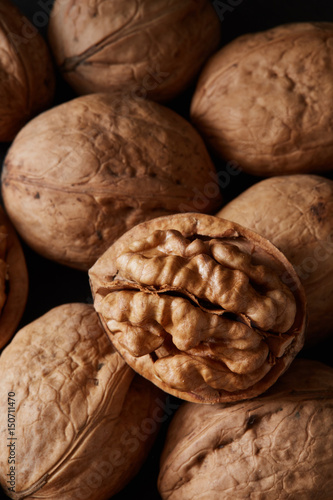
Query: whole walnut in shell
<point>13,280</point>
<point>295,212</point>
<point>207,310</point>
<point>78,410</point>
<point>26,72</point>
<point>277,446</point>
<point>264,100</point>
<point>149,48</point>
<point>81,174</point>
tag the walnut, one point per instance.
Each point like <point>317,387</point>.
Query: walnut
<point>264,100</point>
<point>207,310</point>
<point>81,174</point>
<point>278,445</point>
<point>13,280</point>
<point>26,73</point>
<point>295,213</point>
<point>147,48</point>
<point>84,421</point>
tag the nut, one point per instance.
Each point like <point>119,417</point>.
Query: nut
<point>81,174</point>
<point>276,446</point>
<point>26,73</point>
<point>147,48</point>
<point>295,213</point>
<point>13,280</point>
<point>264,100</point>
<point>77,407</point>
<point>199,306</point>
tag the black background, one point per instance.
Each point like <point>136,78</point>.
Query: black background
<point>52,284</point>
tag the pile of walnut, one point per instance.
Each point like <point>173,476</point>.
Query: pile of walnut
<point>195,298</point>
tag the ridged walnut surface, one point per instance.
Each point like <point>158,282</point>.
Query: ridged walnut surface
<point>264,100</point>
<point>275,447</point>
<point>78,407</point>
<point>295,213</point>
<point>26,71</point>
<point>199,306</point>
<point>13,280</point>
<point>81,174</point>
<point>147,48</point>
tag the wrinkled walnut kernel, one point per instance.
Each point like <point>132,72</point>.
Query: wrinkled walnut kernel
<point>201,308</point>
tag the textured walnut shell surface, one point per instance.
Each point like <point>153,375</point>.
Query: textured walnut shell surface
<point>13,280</point>
<point>277,446</point>
<point>150,48</point>
<point>81,174</point>
<point>77,407</point>
<point>264,100</point>
<point>26,72</point>
<point>295,213</point>
<point>200,307</point>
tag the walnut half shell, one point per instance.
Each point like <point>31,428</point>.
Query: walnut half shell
<point>207,310</point>
<point>83,420</point>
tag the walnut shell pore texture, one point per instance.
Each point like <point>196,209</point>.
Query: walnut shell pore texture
<point>274,447</point>
<point>80,175</point>
<point>149,48</point>
<point>200,307</point>
<point>295,212</point>
<point>264,100</point>
<point>27,80</point>
<point>77,403</point>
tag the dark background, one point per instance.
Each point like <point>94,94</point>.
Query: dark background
<point>52,284</point>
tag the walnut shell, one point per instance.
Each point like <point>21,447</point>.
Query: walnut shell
<point>13,280</point>
<point>84,421</point>
<point>264,100</point>
<point>148,48</point>
<point>27,80</point>
<point>277,446</point>
<point>81,174</point>
<point>200,306</point>
<point>295,213</point>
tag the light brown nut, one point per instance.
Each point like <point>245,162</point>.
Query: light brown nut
<point>264,100</point>
<point>81,174</point>
<point>13,280</point>
<point>148,48</point>
<point>26,73</point>
<point>295,213</point>
<point>77,410</point>
<point>199,306</point>
<point>277,446</point>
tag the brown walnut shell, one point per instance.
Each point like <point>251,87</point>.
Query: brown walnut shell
<point>81,174</point>
<point>148,48</point>
<point>264,100</point>
<point>276,446</point>
<point>199,306</point>
<point>295,213</point>
<point>27,80</point>
<point>13,280</point>
<point>84,421</point>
